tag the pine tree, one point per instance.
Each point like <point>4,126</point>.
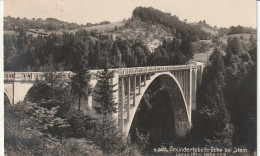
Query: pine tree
<point>106,134</point>
<point>115,57</point>
<point>80,81</point>
<point>104,93</point>
<point>214,126</point>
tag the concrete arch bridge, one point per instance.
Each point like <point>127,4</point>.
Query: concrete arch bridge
<point>131,83</point>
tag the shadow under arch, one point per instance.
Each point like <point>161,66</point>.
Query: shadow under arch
<point>7,99</point>
<point>182,119</point>
<point>29,94</point>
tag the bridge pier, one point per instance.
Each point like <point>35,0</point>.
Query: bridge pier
<point>149,76</point>
<point>194,89</point>
<point>121,107</point>
<point>140,82</point>
<point>134,89</point>
<point>144,79</point>
<point>185,84</point>
<point>115,82</point>
<point>128,97</point>
<point>190,91</point>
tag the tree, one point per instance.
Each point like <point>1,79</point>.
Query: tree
<point>215,116</point>
<point>214,126</point>
<point>216,58</point>
<point>252,42</point>
<point>80,85</point>
<point>187,49</point>
<point>234,45</point>
<point>104,93</point>
<point>105,132</point>
<point>49,103</point>
<point>80,81</point>
<point>240,91</point>
<point>116,57</point>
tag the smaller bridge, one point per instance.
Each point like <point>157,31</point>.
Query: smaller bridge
<point>131,84</point>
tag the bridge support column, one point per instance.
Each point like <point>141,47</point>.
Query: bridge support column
<point>194,90</point>
<point>115,82</point>
<point>201,74</point>
<point>190,92</point>
<point>149,76</point>
<point>128,97</point>
<point>180,78</point>
<point>122,103</point>
<point>179,73</point>
<point>187,88</point>
<point>144,79</point>
<point>184,84</point>
<point>176,75</point>
<point>134,89</point>
<point>140,81</point>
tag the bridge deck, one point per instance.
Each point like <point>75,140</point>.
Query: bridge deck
<point>9,76</point>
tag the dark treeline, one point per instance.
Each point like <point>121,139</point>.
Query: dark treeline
<point>226,110</point>
<point>241,30</point>
<point>173,52</point>
<point>27,53</point>
<point>236,30</point>
<point>173,22</point>
<point>11,23</point>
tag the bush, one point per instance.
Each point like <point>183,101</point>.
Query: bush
<point>21,137</point>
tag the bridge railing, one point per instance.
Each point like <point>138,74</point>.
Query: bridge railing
<point>140,70</point>
<point>32,76</point>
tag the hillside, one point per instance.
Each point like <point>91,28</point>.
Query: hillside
<point>151,34</point>
<point>149,25</point>
<point>204,56</point>
<point>106,27</point>
<point>11,23</point>
<point>193,32</point>
<point>245,37</point>
<point>36,27</point>
<point>209,30</point>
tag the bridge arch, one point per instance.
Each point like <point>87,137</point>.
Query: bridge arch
<point>8,96</point>
<point>176,95</point>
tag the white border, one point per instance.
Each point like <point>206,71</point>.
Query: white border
<point>258,74</point>
<point>1,79</point>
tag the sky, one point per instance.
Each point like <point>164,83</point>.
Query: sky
<point>222,13</point>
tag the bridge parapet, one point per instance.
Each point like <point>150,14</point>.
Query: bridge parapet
<point>32,76</point>
<point>152,69</point>
<point>29,76</point>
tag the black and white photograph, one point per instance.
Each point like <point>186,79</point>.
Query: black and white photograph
<point>130,77</point>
